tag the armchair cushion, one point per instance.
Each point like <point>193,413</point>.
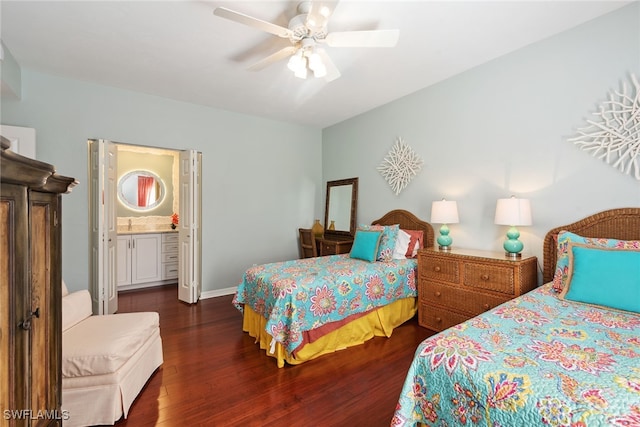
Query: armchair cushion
<point>102,344</point>
<point>76,307</point>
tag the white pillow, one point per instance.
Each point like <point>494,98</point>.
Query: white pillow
<point>402,245</point>
<point>415,249</point>
<point>65,290</point>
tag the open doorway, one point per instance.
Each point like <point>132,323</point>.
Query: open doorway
<point>145,221</point>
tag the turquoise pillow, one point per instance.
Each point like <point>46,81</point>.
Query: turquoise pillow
<point>604,277</point>
<point>365,245</point>
<point>565,238</point>
<point>387,241</point>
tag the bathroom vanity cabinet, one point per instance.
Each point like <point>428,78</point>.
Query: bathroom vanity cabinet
<point>147,259</point>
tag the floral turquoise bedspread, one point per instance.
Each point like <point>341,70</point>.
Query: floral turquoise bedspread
<point>534,361</point>
<point>301,295</point>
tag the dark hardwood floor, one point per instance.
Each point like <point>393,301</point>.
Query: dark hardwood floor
<point>215,375</point>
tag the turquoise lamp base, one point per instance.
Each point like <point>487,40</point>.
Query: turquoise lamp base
<point>512,246</point>
<point>444,240</point>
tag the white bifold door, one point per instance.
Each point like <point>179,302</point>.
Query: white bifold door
<point>189,228</point>
<point>103,226</point>
<point>103,238</point>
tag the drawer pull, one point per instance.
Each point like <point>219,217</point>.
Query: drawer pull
<point>436,268</point>
<point>485,277</point>
<point>486,306</point>
<point>438,320</point>
<point>438,294</point>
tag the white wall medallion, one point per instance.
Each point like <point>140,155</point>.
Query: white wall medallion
<point>400,166</point>
<point>615,136</point>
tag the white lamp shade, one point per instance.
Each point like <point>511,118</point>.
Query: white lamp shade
<point>513,211</point>
<point>444,212</point>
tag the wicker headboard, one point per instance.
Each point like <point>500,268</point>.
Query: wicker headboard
<point>622,224</point>
<point>408,221</point>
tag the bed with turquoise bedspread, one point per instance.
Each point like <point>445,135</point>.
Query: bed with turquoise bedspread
<point>535,360</point>
<point>303,295</point>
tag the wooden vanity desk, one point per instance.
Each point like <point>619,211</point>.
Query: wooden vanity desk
<point>334,245</point>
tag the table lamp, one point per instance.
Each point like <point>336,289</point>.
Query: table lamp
<point>513,212</point>
<point>444,212</point>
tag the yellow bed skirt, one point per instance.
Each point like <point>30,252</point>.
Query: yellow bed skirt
<point>379,323</point>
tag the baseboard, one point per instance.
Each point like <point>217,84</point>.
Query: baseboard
<point>218,292</point>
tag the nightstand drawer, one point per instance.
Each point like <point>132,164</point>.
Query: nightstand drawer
<point>440,269</point>
<point>458,299</point>
<point>489,277</point>
<point>438,319</point>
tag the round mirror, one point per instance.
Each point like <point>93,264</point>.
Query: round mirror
<point>141,190</point>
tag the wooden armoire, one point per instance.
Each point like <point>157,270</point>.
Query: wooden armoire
<point>30,290</point>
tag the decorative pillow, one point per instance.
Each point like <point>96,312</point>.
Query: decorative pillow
<point>608,277</point>
<point>560,277</point>
<point>417,238</point>
<point>402,245</point>
<point>387,241</point>
<point>365,245</point>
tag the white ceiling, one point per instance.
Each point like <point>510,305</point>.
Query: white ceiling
<point>180,50</point>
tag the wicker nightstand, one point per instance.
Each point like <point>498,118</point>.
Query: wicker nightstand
<point>457,285</point>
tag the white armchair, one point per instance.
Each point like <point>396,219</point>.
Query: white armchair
<point>106,360</point>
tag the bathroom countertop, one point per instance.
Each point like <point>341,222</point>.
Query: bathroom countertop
<point>145,231</point>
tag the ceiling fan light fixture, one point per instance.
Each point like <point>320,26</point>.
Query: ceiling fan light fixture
<point>320,71</point>
<point>315,61</point>
<point>305,32</point>
<point>295,62</point>
<point>301,72</point>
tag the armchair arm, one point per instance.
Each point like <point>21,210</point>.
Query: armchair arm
<point>76,307</point>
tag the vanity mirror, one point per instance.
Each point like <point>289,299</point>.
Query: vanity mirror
<point>341,207</point>
<point>141,190</point>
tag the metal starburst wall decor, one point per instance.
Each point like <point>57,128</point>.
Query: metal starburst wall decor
<point>400,166</point>
<point>615,136</point>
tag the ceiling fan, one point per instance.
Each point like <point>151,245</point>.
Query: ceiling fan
<point>307,31</point>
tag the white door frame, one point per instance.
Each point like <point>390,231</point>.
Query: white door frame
<point>103,226</point>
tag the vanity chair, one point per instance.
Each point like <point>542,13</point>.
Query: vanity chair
<point>307,243</point>
<point>106,360</point>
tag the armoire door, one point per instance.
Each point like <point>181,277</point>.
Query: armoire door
<point>13,273</point>
<point>44,314</point>
<point>30,307</point>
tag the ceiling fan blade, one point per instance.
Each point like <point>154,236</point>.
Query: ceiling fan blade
<point>250,21</point>
<point>375,38</point>
<point>332,71</point>
<point>319,14</point>
<point>275,57</point>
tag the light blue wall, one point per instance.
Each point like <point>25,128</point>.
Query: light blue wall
<point>496,130</point>
<point>501,129</point>
<point>259,181</point>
